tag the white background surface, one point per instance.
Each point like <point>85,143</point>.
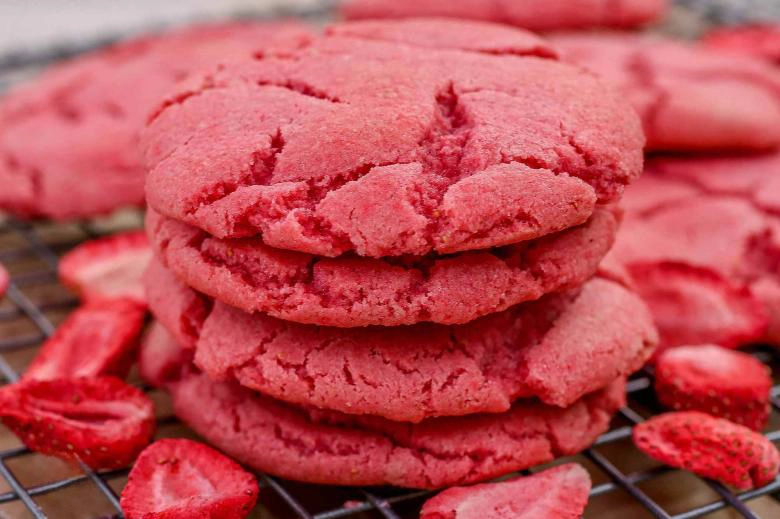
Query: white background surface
<point>28,24</point>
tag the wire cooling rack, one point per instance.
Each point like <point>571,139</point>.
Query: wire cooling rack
<point>626,483</point>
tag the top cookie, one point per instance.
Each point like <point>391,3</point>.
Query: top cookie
<point>531,14</point>
<point>393,138</point>
<point>690,98</point>
<point>68,141</point>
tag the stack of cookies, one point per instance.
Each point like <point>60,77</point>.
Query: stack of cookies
<point>377,255</point>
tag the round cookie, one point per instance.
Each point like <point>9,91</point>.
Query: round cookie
<point>529,14</point>
<point>411,373</point>
<point>69,140</point>
<point>706,232</point>
<point>403,141</point>
<point>351,291</point>
<point>690,98</point>
<point>331,448</point>
<point>760,41</point>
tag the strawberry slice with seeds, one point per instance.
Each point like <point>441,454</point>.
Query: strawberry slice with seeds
<point>714,380</point>
<point>557,493</point>
<point>696,305</point>
<point>99,338</point>
<point>711,447</point>
<point>4,280</point>
<point>176,478</point>
<point>108,267</point>
<point>101,421</point>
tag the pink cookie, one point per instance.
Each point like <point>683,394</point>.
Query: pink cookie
<point>69,141</point>
<point>530,14</point>
<point>557,493</point>
<point>761,41</point>
<point>392,140</point>
<point>331,448</point>
<point>689,98</point>
<point>415,372</point>
<point>351,291</point>
<point>716,219</point>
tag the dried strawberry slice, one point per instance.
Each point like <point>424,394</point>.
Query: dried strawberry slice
<point>175,478</point>
<point>696,305</point>
<point>557,493</point>
<point>4,280</point>
<point>99,338</point>
<point>108,267</point>
<point>711,447</point>
<point>161,359</point>
<point>721,382</point>
<point>101,421</point>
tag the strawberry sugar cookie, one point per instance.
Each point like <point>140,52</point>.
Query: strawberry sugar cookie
<point>350,291</point>
<point>315,446</point>
<point>411,373</point>
<point>529,14</point>
<point>421,152</point>
<point>69,140</point>
<point>690,98</point>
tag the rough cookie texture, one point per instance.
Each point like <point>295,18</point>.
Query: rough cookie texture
<point>530,14</point>
<point>689,98</point>
<point>717,214</point>
<point>69,141</point>
<point>410,373</point>
<point>331,448</point>
<point>402,141</point>
<point>351,291</point>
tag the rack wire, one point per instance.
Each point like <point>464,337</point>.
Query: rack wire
<point>35,302</point>
<point>626,484</point>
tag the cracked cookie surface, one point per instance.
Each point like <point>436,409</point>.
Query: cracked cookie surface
<point>713,223</point>
<point>529,14</point>
<point>351,291</point>
<point>689,98</point>
<point>315,446</point>
<point>405,140</point>
<point>69,140</point>
<point>411,373</point>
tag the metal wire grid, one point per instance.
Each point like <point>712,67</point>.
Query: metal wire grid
<point>34,297</point>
